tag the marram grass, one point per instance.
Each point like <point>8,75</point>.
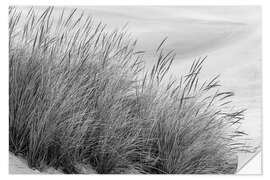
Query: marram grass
<point>80,94</point>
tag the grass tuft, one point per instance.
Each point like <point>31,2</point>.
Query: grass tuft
<point>80,94</point>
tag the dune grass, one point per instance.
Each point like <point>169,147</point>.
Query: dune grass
<point>80,94</point>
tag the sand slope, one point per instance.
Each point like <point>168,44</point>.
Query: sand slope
<point>18,165</point>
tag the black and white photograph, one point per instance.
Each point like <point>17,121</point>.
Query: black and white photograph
<point>134,89</point>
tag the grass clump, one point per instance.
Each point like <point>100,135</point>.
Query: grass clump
<point>79,94</point>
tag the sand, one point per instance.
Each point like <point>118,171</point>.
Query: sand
<point>18,165</point>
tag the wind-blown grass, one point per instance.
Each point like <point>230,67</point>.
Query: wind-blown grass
<point>79,94</point>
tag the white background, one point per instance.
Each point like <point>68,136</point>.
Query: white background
<point>253,166</point>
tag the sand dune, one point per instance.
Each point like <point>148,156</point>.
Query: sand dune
<point>18,165</point>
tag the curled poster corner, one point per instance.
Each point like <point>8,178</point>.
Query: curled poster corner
<point>253,166</point>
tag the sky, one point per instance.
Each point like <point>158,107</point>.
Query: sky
<point>230,36</point>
